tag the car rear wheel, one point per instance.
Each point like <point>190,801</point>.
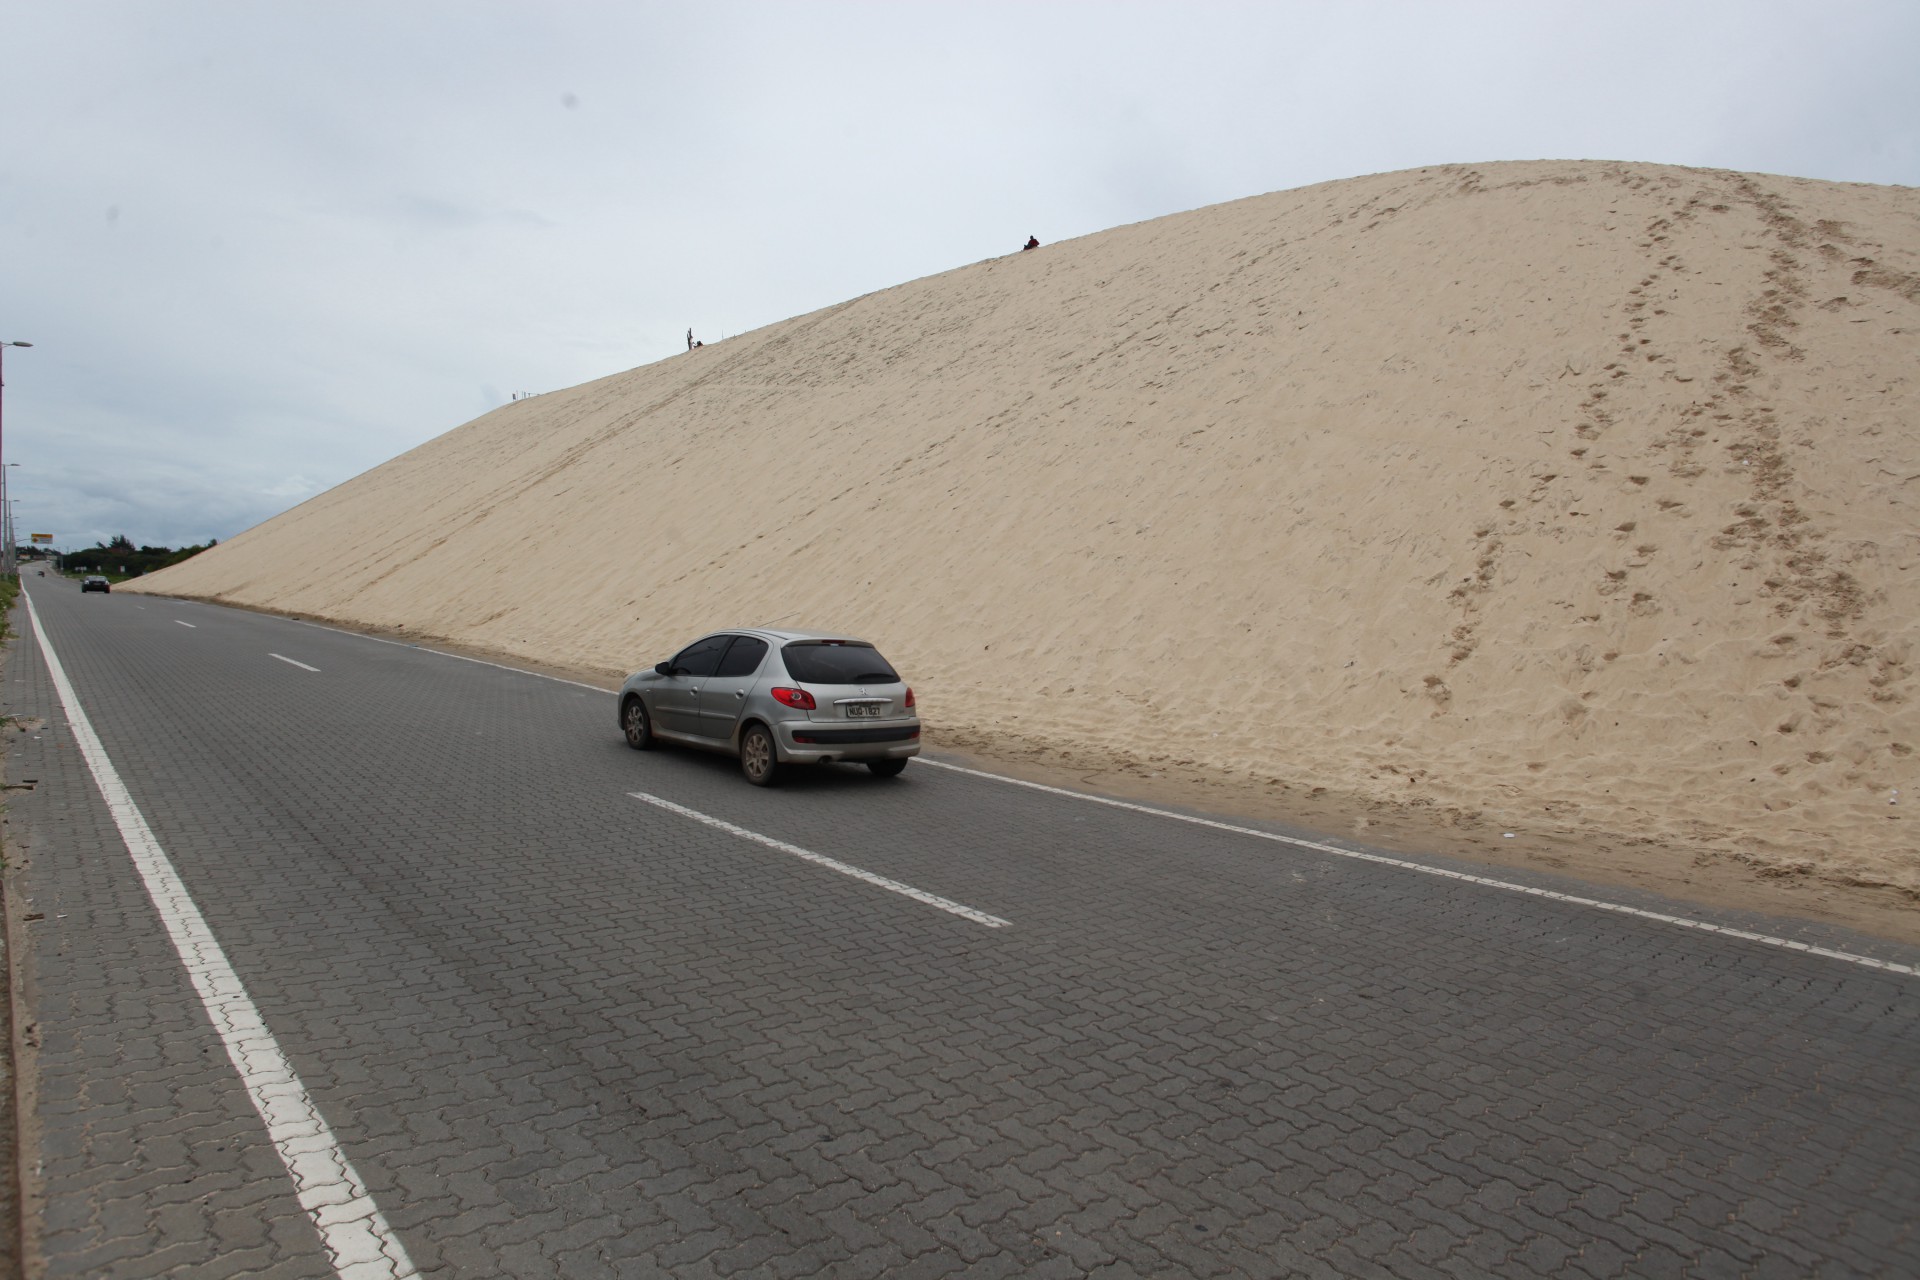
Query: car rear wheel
<point>634,722</point>
<point>758,759</point>
<point>886,768</point>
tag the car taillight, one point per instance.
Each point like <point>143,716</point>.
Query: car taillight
<point>909,697</point>
<point>797,698</point>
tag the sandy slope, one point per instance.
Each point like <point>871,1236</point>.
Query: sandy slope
<point>1579,494</point>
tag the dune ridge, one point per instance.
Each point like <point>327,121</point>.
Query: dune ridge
<point>1580,494</point>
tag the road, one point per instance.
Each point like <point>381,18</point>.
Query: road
<point>383,961</point>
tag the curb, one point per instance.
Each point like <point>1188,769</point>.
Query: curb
<point>21,1102</point>
<point>20,1191</point>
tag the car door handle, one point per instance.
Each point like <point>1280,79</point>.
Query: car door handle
<point>739,693</point>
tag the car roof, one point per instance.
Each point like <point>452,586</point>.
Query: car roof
<point>785,635</point>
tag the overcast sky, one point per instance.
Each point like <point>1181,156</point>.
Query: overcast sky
<point>262,247</point>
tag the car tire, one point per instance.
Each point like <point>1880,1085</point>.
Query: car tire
<point>887,768</point>
<point>759,759</point>
<point>635,723</point>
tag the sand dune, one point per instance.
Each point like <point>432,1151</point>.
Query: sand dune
<point>1575,494</point>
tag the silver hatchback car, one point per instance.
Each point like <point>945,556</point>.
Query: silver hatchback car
<point>776,698</point>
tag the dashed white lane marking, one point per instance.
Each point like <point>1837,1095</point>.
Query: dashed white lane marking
<point>1403,864</point>
<point>832,864</point>
<point>178,623</point>
<point>352,1228</point>
<point>290,662</point>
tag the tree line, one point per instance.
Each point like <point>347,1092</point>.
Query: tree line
<point>119,558</point>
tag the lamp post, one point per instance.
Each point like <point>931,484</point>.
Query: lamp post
<point>6,557</point>
<point>9,551</point>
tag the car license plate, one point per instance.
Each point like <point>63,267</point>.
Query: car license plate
<point>857,710</point>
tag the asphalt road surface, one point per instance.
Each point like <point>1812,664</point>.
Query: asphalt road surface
<point>354,959</point>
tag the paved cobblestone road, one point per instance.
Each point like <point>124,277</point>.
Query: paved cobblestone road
<point>561,1032</point>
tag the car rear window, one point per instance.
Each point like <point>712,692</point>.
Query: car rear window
<point>837,662</point>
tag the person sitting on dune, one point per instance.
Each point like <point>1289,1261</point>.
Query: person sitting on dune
<point>1032,243</point>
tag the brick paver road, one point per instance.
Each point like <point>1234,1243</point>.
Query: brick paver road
<point>562,1032</point>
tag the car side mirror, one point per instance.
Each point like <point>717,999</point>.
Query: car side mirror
<point>663,668</point>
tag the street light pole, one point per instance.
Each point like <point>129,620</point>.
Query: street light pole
<point>6,557</point>
<point>9,548</point>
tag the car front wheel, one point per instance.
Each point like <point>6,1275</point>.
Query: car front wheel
<point>634,722</point>
<point>758,759</point>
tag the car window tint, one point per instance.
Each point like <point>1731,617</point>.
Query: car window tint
<point>744,658</point>
<point>700,657</point>
<point>840,662</point>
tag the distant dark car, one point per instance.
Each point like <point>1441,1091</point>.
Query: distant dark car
<point>95,583</point>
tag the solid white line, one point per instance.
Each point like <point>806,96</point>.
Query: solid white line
<point>352,1228</point>
<point>303,666</point>
<point>501,666</point>
<point>358,635</point>
<point>178,623</point>
<point>1486,881</point>
<point>1682,922</point>
<point>482,662</point>
<point>832,864</point>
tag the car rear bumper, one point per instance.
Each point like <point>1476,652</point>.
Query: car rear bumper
<point>810,742</point>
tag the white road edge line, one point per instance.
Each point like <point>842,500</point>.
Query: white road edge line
<point>354,1231</point>
<point>832,864</point>
<point>461,657</point>
<point>290,662</point>
<point>1403,864</point>
<point>1683,922</point>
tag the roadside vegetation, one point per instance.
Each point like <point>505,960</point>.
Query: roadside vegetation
<point>118,559</point>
